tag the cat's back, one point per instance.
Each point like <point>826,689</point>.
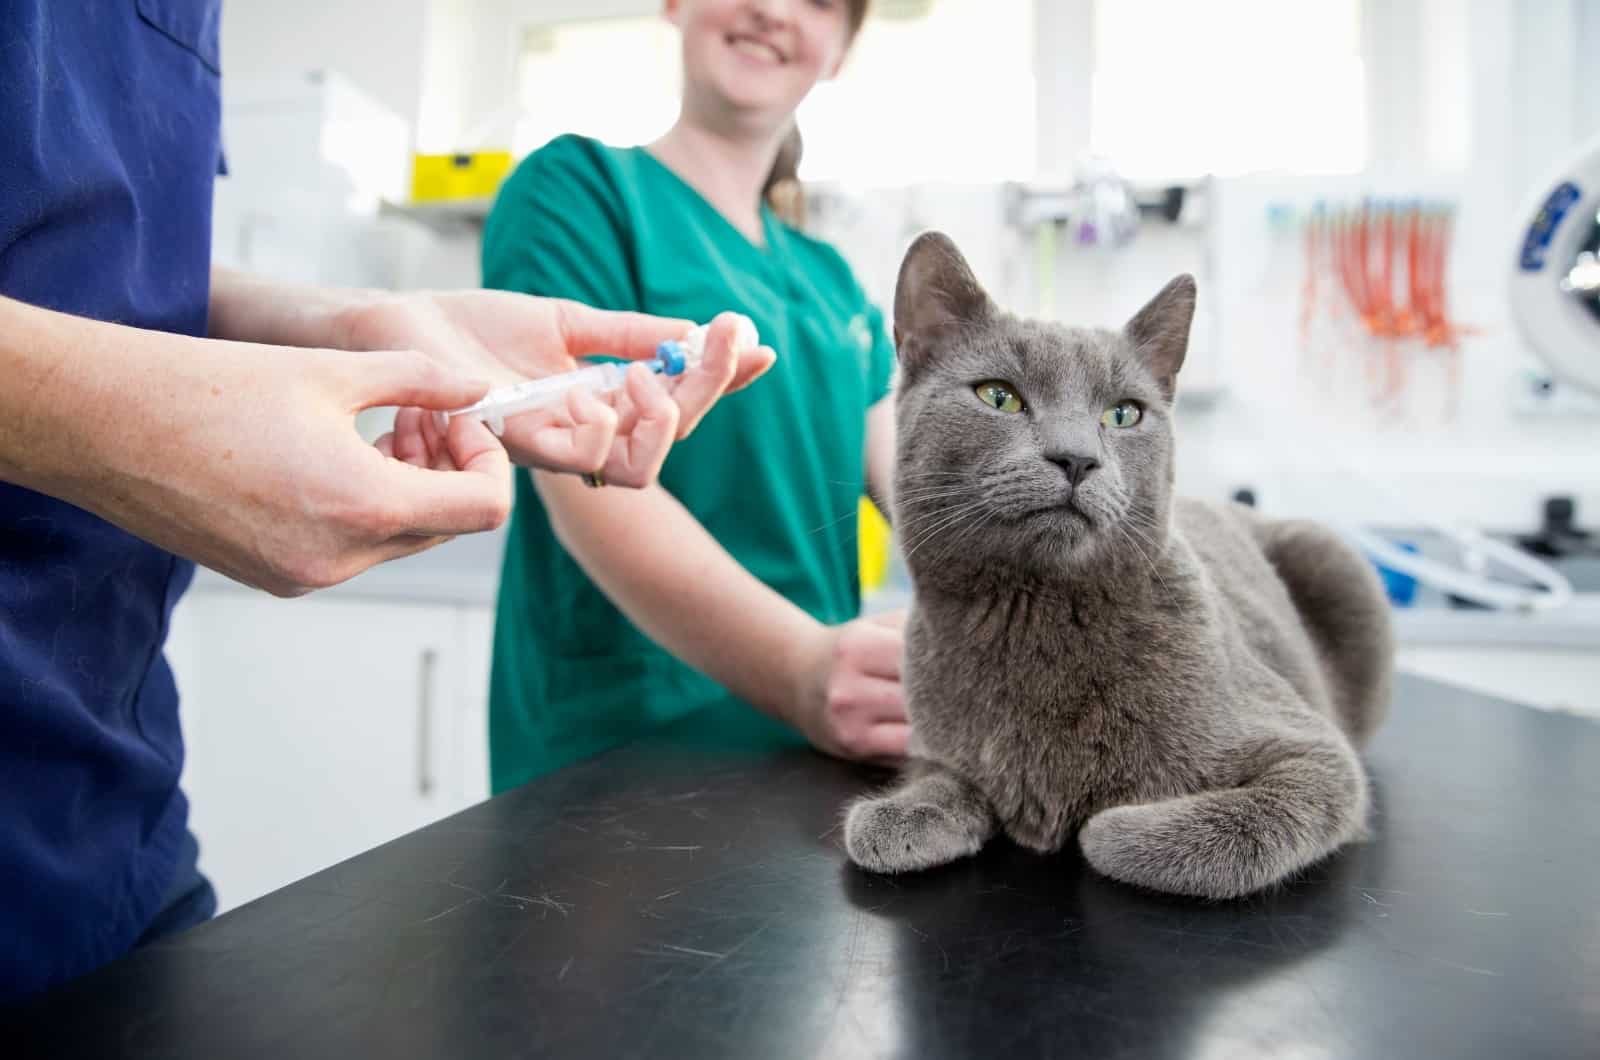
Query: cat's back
<point>1259,615</point>
<point>1305,601</point>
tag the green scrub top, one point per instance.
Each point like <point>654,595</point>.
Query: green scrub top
<point>774,472</point>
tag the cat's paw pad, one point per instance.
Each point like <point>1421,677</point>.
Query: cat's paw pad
<point>882,835</point>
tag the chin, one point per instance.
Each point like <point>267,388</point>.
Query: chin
<point>746,84</point>
<point>1077,538</point>
<point>755,94</point>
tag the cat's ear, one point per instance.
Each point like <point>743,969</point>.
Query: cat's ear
<point>936,289</point>
<point>1159,333</point>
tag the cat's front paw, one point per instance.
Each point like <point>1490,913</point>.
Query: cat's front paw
<point>884,835</point>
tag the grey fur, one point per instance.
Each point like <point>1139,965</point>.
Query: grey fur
<point>1182,684</point>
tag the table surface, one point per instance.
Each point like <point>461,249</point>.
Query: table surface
<point>664,901</point>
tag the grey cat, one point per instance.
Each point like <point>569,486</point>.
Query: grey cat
<point>1184,684</point>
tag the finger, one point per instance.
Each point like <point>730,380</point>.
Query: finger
<point>385,445</point>
<point>574,436</point>
<point>622,402</point>
<point>472,447</point>
<point>444,503</point>
<point>753,364</point>
<point>408,378</point>
<point>433,433</point>
<point>888,740</point>
<point>594,429</point>
<point>409,443</point>
<point>879,699</point>
<point>879,650</point>
<point>641,448</point>
<point>634,336</point>
<point>698,388</point>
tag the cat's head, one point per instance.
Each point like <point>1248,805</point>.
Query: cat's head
<point>1027,444</point>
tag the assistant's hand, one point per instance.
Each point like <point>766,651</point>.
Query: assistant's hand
<point>508,337</point>
<point>852,703</point>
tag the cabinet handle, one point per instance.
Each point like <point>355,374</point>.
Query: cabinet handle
<point>430,659</point>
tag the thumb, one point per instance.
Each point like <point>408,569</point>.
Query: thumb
<point>466,500</point>
<point>411,379</point>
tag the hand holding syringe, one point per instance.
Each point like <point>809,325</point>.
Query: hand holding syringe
<point>672,358</point>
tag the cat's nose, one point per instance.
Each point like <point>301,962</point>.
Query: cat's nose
<point>1076,466</point>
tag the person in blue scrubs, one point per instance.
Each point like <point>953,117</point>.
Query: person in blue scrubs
<point>155,412</point>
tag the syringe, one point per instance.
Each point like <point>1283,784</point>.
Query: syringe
<point>673,357</point>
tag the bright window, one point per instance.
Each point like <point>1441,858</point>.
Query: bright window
<point>945,92</point>
<point>567,81</point>
<point>945,89</point>
<point>1182,89</point>
<point>939,90</point>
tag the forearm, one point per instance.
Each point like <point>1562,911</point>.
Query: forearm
<point>655,561</point>
<point>249,308</point>
<point>59,403</point>
<point>880,456</point>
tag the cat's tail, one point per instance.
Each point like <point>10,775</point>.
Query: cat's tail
<point>1344,608</point>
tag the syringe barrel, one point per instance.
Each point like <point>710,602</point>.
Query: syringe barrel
<point>506,401</point>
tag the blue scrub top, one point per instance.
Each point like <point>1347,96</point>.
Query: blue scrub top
<point>108,150</point>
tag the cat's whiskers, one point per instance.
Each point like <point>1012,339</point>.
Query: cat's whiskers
<point>961,533</point>
<point>1148,530</point>
<point>931,493</point>
<point>1128,536</point>
<point>918,476</point>
<point>903,488</point>
<point>946,518</point>
<point>919,535</point>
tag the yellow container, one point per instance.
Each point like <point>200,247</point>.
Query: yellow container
<point>442,178</point>
<point>873,539</point>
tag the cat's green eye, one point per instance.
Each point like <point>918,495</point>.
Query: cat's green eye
<point>1122,414</point>
<point>998,395</point>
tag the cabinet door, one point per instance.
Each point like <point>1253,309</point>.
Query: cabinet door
<point>475,651</point>
<point>316,729</point>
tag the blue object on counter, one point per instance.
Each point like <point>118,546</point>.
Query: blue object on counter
<point>1401,587</point>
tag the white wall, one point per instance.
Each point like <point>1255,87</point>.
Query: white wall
<point>1476,101</point>
<point>377,44</point>
<point>448,67</point>
<point>483,65</point>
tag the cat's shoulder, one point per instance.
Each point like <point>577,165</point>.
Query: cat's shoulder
<point>1209,519</point>
<point>1226,536</point>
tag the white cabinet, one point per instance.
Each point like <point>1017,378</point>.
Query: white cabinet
<point>322,727</point>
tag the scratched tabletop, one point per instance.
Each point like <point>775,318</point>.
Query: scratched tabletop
<point>663,901</point>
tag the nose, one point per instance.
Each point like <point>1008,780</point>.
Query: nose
<point>1076,466</point>
<point>770,10</point>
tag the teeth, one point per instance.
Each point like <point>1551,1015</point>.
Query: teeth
<point>757,50</point>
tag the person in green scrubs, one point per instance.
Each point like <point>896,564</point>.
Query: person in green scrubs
<point>733,584</point>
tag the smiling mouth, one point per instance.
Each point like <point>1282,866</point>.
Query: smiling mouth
<point>755,48</point>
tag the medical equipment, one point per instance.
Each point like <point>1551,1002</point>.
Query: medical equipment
<point>673,358</point>
<point>1555,300</point>
<point>1375,284</point>
<point>1386,262</point>
<point>1555,284</point>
